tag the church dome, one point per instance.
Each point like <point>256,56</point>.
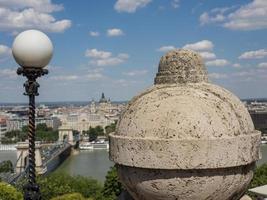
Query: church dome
<point>103,99</point>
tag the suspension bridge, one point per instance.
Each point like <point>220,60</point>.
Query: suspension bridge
<point>48,156</point>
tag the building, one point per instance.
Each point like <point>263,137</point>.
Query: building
<point>3,127</point>
<point>101,113</point>
<point>17,123</point>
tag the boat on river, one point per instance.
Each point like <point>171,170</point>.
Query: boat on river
<point>94,145</point>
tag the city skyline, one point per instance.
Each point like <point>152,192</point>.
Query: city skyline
<point>115,46</point>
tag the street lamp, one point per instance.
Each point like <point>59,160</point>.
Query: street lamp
<point>32,50</point>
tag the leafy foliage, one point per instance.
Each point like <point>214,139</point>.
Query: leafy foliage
<point>15,136</point>
<point>94,132</point>
<point>6,166</point>
<point>112,186</point>
<point>110,128</point>
<point>8,192</point>
<point>43,133</point>
<point>259,178</point>
<point>73,196</point>
<point>58,184</point>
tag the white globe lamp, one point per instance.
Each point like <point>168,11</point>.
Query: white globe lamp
<point>32,49</point>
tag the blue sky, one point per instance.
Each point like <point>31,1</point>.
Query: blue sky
<point>114,46</point>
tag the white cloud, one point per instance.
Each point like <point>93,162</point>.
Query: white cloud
<point>94,53</point>
<point>204,45</point>
<point>8,73</point>
<point>175,3</point>
<point>207,55</point>
<point>236,65</point>
<point>214,16</point>
<point>123,56</point>
<point>261,53</point>
<point>4,50</point>
<point>166,48</point>
<point>218,76</point>
<point>114,32</point>
<point>108,62</point>
<point>17,15</point>
<point>124,82</point>
<point>251,16</point>
<point>94,76</point>
<point>41,6</point>
<point>94,33</point>
<point>244,73</point>
<point>130,6</point>
<point>136,73</point>
<point>105,58</point>
<point>65,77</point>
<point>263,65</point>
<point>217,63</point>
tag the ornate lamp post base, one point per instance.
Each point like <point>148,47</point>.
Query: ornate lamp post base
<point>31,190</point>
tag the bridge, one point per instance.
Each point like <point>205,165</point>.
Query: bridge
<point>48,156</point>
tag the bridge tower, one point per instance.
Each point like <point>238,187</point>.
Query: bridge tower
<point>65,133</point>
<point>22,157</point>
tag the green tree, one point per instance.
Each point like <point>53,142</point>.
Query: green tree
<point>43,127</point>
<point>112,185</point>
<point>110,128</point>
<point>72,196</point>
<point>6,166</point>
<point>92,134</point>
<point>8,192</point>
<point>5,140</point>
<point>48,135</point>
<point>99,130</point>
<point>14,137</point>
<point>12,134</point>
<point>57,184</point>
<point>25,129</point>
<point>259,178</point>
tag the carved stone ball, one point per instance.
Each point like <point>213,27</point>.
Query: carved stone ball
<point>185,138</point>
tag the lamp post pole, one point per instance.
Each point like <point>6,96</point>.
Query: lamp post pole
<point>31,190</point>
<point>32,50</point>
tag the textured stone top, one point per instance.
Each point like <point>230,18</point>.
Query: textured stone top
<point>181,66</point>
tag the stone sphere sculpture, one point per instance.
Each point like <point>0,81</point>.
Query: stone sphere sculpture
<point>185,138</point>
<point>32,49</point>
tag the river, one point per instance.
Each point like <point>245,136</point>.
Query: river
<point>93,164</point>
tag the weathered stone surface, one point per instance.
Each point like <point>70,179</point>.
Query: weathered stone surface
<point>181,66</point>
<point>192,153</point>
<point>215,184</point>
<point>185,138</point>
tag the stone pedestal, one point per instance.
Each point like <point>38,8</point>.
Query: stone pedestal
<point>185,138</point>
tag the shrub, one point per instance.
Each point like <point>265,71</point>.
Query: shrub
<point>8,192</point>
<point>259,179</point>
<point>73,196</point>
<point>112,186</point>
<point>57,184</point>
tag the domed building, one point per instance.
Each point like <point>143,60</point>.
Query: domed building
<point>104,104</point>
